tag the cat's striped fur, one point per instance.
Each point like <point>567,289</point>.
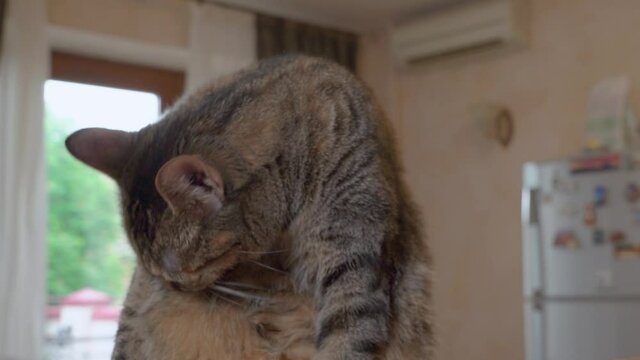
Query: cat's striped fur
<point>315,218</point>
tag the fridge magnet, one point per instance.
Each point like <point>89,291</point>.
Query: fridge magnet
<point>600,162</point>
<point>590,218</point>
<point>566,239</point>
<point>632,193</point>
<point>598,237</point>
<point>600,195</point>
<point>617,238</point>
<point>627,252</point>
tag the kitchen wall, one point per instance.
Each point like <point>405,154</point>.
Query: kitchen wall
<point>159,22</point>
<point>469,188</point>
<point>375,66</point>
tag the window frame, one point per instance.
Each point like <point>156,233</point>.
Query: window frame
<point>167,84</point>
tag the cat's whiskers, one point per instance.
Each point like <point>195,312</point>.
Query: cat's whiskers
<point>219,296</point>
<point>241,285</point>
<point>237,293</point>
<point>263,252</point>
<point>268,267</point>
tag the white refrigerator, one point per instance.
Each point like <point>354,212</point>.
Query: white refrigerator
<point>581,256</point>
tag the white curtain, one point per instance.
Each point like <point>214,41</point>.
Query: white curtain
<point>222,40</point>
<point>24,62</point>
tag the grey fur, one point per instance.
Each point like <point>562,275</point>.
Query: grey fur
<point>314,211</point>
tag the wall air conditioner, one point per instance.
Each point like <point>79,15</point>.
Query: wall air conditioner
<point>460,28</point>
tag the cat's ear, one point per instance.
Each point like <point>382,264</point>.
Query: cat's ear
<point>102,149</point>
<point>186,183</point>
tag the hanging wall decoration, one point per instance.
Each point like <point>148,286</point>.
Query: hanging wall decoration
<point>495,122</point>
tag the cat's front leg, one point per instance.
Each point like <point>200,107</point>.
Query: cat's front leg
<point>353,316</point>
<point>342,263</point>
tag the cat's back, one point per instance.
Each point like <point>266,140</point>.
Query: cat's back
<point>288,89</point>
<point>321,129</point>
<point>337,121</point>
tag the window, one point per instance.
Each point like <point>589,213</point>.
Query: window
<point>90,261</point>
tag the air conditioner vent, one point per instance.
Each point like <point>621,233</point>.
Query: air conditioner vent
<point>459,29</point>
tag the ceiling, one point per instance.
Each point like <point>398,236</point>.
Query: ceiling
<point>352,15</point>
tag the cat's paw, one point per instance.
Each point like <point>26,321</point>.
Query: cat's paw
<point>285,325</point>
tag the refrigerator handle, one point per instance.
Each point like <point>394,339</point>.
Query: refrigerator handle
<point>537,300</point>
<point>530,200</point>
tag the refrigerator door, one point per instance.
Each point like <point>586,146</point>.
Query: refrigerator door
<point>591,330</point>
<point>580,216</point>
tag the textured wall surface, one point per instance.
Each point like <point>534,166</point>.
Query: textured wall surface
<point>468,188</point>
<point>160,22</point>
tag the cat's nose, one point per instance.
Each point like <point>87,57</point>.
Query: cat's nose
<point>171,262</point>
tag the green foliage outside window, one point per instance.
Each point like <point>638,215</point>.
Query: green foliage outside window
<point>85,237</point>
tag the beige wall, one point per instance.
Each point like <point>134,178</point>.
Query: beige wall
<point>375,66</point>
<point>469,189</point>
<point>160,22</point>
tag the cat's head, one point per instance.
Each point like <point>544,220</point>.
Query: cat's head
<point>176,213</point>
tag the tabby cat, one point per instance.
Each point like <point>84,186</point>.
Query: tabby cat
<point>269,221</point>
